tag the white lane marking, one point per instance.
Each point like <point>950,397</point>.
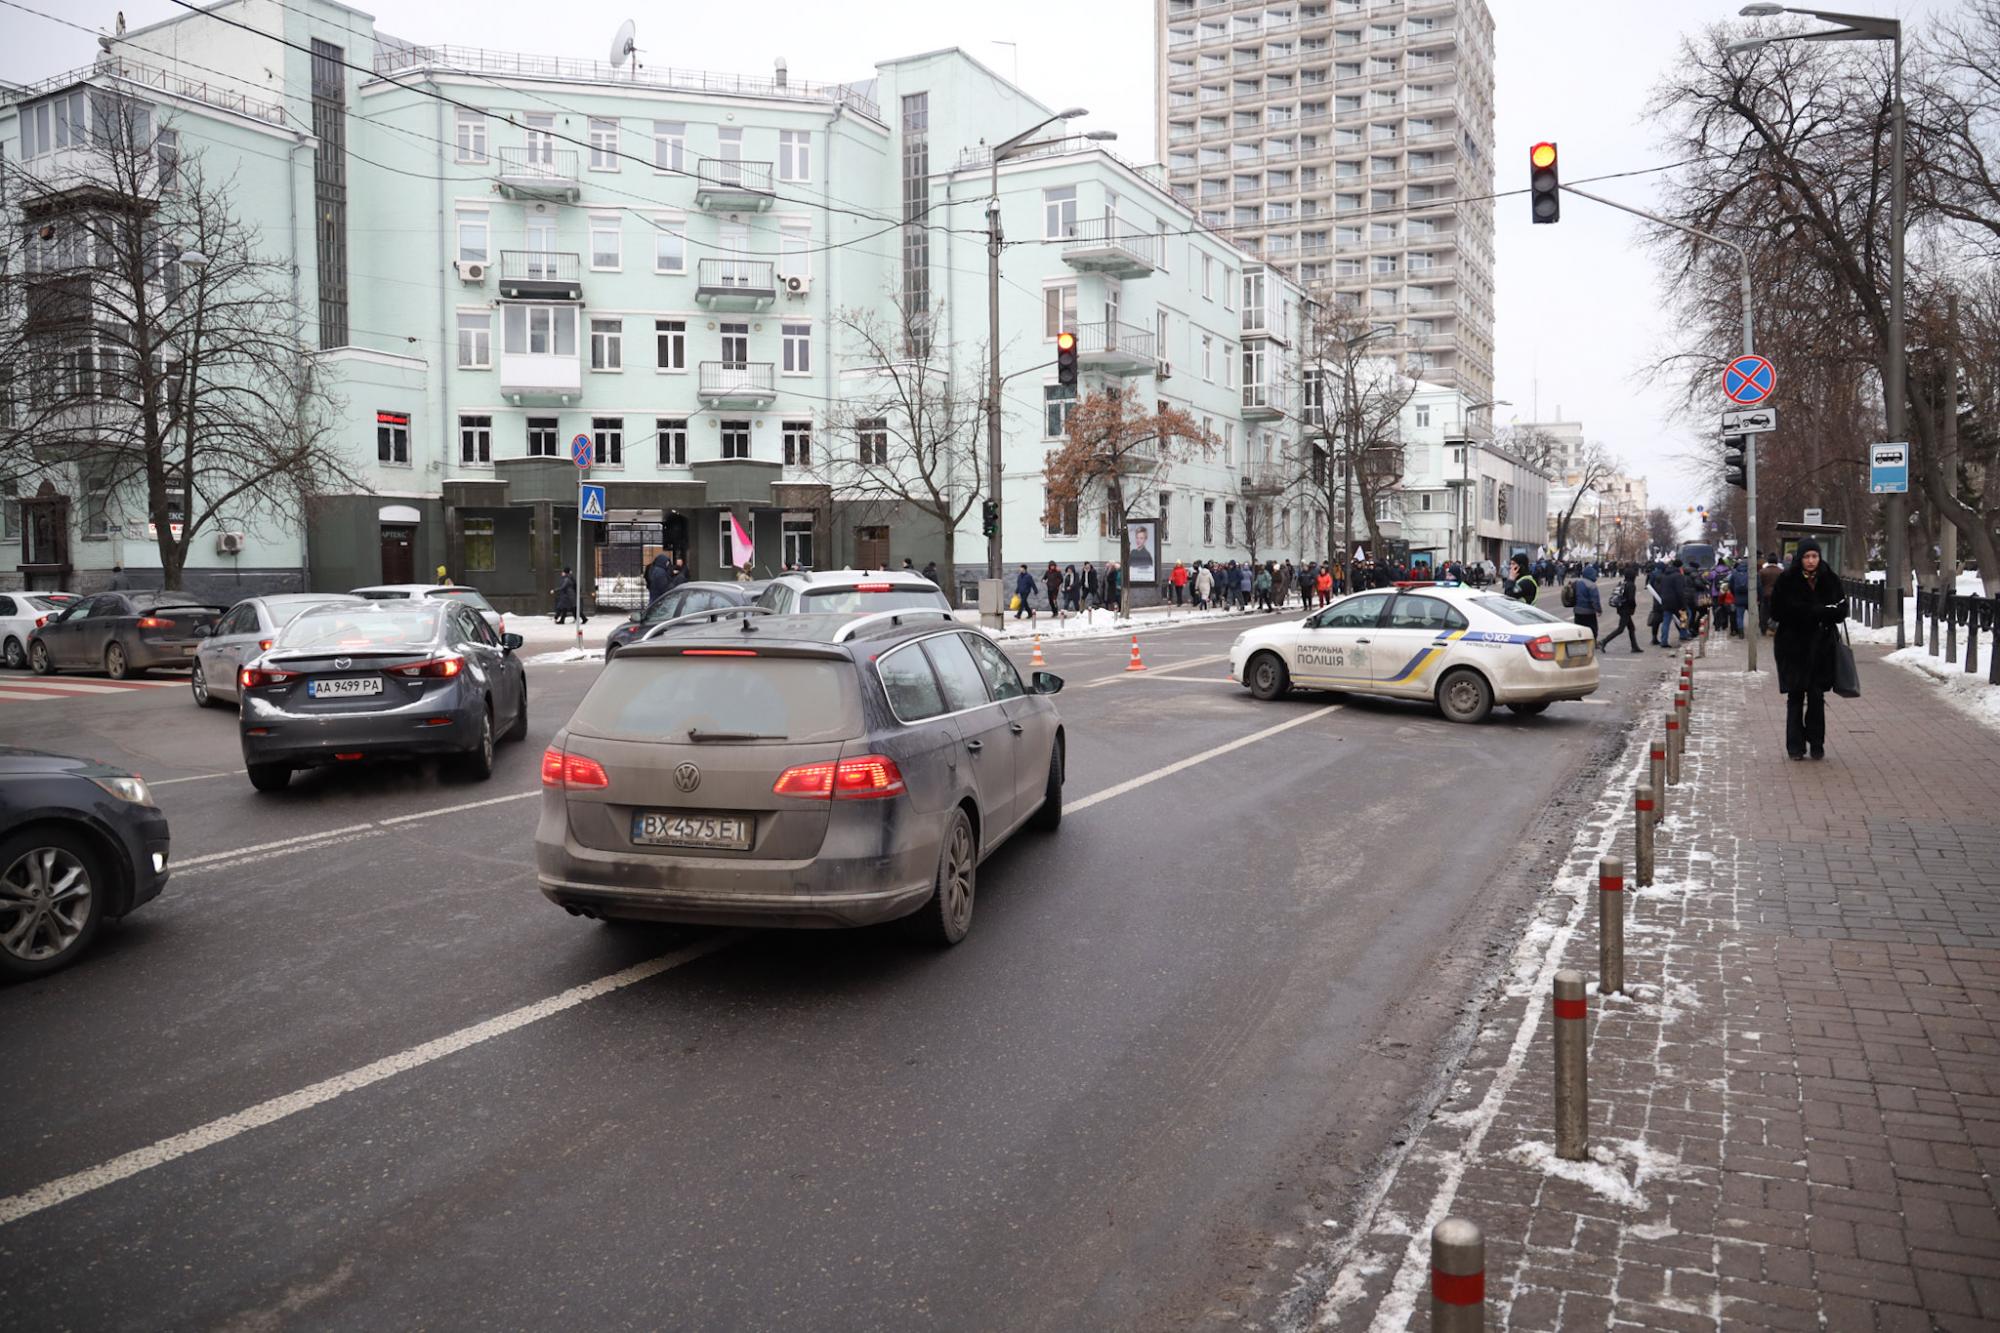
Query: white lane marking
<point>454,809</point>
<point>198,777</point>
<point>1187,680</point>
<point>65,1188</point>
<point>317,844</point>
<point>1133,784</point>
<point>1156,671</point>
<point>193,861</point>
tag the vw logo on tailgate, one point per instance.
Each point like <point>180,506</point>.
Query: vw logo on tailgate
<point>687,777</point>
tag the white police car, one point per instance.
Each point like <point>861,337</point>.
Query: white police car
<point>1464,648</point>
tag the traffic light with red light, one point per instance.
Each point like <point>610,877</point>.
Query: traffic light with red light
<point>1066,358</point>
<point>1544,186</point>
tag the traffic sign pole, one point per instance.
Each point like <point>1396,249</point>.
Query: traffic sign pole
<point>582,452</point>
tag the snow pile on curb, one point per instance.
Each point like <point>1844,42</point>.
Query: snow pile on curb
<point>565,655</point>
<point>1604,1173</point>
<point>1967,691</point>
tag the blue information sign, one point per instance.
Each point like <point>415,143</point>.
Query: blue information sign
<point>590,502</point>
<point>1889,469</point>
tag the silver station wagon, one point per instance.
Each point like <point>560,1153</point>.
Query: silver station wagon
<point>798,770</point>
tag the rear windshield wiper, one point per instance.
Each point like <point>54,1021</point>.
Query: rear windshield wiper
<point>700,737</point>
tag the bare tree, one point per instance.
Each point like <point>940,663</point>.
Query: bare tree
<point>1353,411</point>
<point>162,352</point>
<point>1112,460</point>
<point>908,434</point>
<point>1594,466</point>
<point>1661,530</point>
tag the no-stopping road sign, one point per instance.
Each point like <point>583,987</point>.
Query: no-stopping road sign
<point>1749,380</point>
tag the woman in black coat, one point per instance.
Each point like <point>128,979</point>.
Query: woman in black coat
<point>1807,602</point>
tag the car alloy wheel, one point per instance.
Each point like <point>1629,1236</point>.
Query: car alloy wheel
<point>38,659</point>
<point>45,903</point>
<point>115,664</point>
<point>198,683</point>
<point>955,885</point>
<point>16,658</point>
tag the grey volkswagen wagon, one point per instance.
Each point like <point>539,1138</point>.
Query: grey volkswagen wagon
<point>810,770</point>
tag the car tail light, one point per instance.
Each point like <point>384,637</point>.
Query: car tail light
<point>436,668</point>
<point>1542,649</point>
<point>154,622</point>
<point>560,769</point>
<point>863,778</point>
<point>264,645</point>
<point>250,678</point>
<point>41,621</point>
<point>874,587</point>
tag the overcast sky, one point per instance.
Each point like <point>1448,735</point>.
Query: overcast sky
<point>1578,308</point>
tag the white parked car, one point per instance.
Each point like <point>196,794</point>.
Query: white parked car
<point>20,614</point>
<point>1465,649</point>
<point>454,592</point>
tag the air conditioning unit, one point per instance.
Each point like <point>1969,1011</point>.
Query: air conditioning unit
<point>797,285</point>
<point>470,270</point>
<point>1166,370</point>
<point>229,543</point>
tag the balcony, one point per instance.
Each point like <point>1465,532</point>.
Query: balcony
<point>543,275</point>
<point>1116,349</point>
<point>1264,481</point>
<point>541,376</point>
<point>745,384</point>
<point>1103,246</point>
<point>538,172</point>
<point>1268,320</point>
<point>1264,402</point>
<point>732,185</point>
<point>736,284</point>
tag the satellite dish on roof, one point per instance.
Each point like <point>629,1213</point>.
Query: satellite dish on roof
<point>622,46</point>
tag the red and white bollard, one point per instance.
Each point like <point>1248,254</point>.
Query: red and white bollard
<point>1572,1024</point>
<point>1611,925</point>
<point>1458,1277</point>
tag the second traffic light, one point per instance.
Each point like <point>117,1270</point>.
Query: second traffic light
<point>1735,461</point>
<point>1544,184</point>
<point>989,519</point>
<point>1066,358</point>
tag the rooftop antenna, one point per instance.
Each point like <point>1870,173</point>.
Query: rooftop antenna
<point>623,48</point>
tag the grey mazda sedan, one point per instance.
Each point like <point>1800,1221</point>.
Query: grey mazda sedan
<point>814,770</point>
<point>381,680</point>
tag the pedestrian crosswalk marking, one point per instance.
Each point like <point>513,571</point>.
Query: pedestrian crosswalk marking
<point>33,689</point>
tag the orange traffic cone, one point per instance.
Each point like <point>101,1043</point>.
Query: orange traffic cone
<point>1135,664</point>
<point>1037,661</point>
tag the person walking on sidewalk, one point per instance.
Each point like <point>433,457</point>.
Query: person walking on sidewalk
<point>1767,578</point>
<point>1625,601</point>
<point>1024,595</point>
<point>1052,586</point>
<point>1588,601</point>
<point>1807,602</point>
<point>565,592</point>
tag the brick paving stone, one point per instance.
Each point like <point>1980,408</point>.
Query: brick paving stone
<point>1796,1109</point>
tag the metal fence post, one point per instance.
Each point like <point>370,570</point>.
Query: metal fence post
<point>1643,819</point>
<point>1950,627</point>
<point>1972,639</point>
<point>1458,1277</point>
<point>1673,747</point>
<point>1572,1033</point>
<point>1610,926</point>
<point>1934,624</point>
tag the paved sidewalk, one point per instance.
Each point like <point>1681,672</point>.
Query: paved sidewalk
<point>1795,1117</point>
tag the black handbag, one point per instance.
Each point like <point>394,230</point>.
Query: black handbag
<point>1846,679</point>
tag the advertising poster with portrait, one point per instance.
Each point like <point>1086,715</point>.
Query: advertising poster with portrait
<point>1143,563</point>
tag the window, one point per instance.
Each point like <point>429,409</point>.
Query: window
<point>607,344</point>
<point>1356,612</point>
<point>603,144</point>
<point>797,541</point>
<point>669,145</point>
<point>797,348</point>
<point>670,247</point>
<point>1423,414</point>
<point>607,437</point>
<point>735,341</point>
<point>964,684</point>
<point>1228,444</point>
<point>672,337</point>
<point>1229,523</point>
<point>1208,358</point>
<point>798,443</point>
<point>794,155</point>
<point>542,432</point>
<point>795,250</point>
<point>1208,277</point>
<point>1058,401</point>
<point>471,136</point>
<point>1059,213</point>
<point>672,433</point>
<point>1058,309</point>
<point>910,683</point>
<point>871,434</point>
<point>1229,289</point>
<point>475,443</point>
<point>473,244</point>
<point>735,439</point>
<point>392,438</point>
<point>539,330</point>
<point>1208,522</point>
<point>1001,677</point>
<point>1058,514</point>
<point>477,536</point>
<point>1228,367</point>
<point>606,241</point>
<point>475,340</point>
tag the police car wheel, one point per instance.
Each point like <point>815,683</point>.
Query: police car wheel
<point>1464,696</point>
<point>1268,677</point>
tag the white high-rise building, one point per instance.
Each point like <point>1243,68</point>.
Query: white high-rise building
<point>1346,141</point>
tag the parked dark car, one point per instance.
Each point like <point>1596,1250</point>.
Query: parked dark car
<point>686,600</point>
<point>381,680</point>
<point>122,633</point>
<point>80,843</point>
<point>815,770</point>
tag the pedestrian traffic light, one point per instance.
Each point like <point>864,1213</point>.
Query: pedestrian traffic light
<point>1544,188</point>
<point>989,519</point>
<point>1735,461</point>
<point>1066,358</point>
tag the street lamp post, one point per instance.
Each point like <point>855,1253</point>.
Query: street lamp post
<point>1001,152</point>
<point>1895,388</point>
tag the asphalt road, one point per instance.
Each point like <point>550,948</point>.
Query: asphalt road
<point>1180,1028</point>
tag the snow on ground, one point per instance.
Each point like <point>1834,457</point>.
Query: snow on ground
<point>1604,1173</point>
<point>1969,692</point>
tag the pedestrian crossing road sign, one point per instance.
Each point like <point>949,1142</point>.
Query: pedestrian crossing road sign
<point>590,502</point>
